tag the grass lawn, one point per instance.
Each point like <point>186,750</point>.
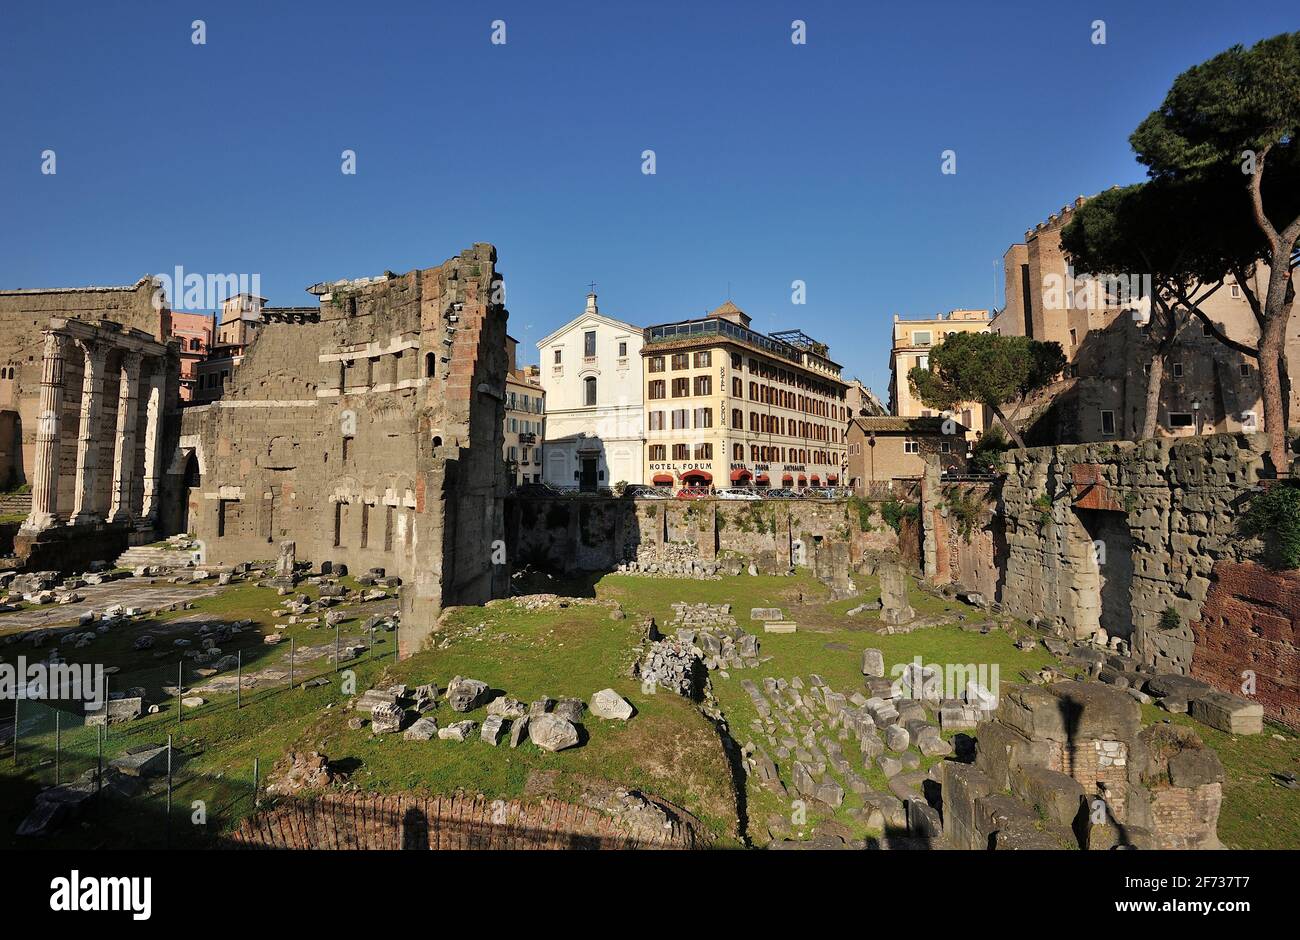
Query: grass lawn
<point>668,749</point>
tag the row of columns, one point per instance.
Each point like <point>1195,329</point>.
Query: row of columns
<point>45,475</point>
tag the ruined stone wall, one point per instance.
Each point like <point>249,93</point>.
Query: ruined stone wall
<point>571,535</point>
<point>370,436</point>
<point>969,553</point>
<point>598,533</point>
<point>1107,536</point>
<point>1070,762</point>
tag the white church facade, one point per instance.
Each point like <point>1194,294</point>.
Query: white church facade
<point>591,372</point>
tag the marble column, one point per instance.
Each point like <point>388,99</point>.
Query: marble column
<point>153,442</point>
<point>92,406</point>
<point>124,450</point>
<point>45,472</point>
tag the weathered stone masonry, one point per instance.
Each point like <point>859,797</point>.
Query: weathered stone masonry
<point>370,435</point>
<point>91,396</point>
<point>1128,530</point>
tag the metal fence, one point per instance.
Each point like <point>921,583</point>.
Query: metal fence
<point>46,744</point>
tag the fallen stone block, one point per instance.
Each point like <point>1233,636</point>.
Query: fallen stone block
<point>552,732</point>
<point>1228,713</point>
<point>609,704</point>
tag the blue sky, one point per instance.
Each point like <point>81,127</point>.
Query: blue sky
<point>775,162</point>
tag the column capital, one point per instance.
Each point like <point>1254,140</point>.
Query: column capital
<point>132,361</point>
<point>56,343</point>
<point>95,351</point>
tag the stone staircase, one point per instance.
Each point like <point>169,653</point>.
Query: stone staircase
<point>155,556</point>
<point>15,504</point>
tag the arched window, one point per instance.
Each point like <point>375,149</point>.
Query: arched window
<point>194,345</point>
<point>429,362</point>
<point>589,390</point>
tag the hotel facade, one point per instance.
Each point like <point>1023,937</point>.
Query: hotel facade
<point>726,406</point>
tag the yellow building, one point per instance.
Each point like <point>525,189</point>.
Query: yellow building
<point>525,421</point>
<point>913,340</point>
<point>727,406</point>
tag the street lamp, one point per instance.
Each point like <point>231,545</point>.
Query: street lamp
<point>1196,410</point>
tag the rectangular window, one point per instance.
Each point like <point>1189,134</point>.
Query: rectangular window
<point>1108,422</point>
<point>1248,421</point>
<point>558,355</point>
<point>681,361</point>
<point>656,363</point>
<point>1245,370</point>
<point>656,421</point>
<point>736,361</point>
<point>1180,419</point>
<point>658,452</point>
<point>704,417</point>
<point>703,451</point>
<point>703,359</point>
<point>657,388</point>
<point>911,447</point>
<point>1178,370</point>
<point>589,344</point>
<point>681,452</point>
<point>920,337</point>
<point>704,385</point>
<point>681,419</point>
<point>681,388</point>
<point>622,349</point>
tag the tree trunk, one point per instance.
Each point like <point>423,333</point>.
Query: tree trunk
<point>1154,382</point>
<point>1007,426</point>
<point>1271,350</point>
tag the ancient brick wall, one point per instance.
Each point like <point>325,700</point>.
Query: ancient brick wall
<point>1249,630</point>
<point>970,555</point>
<point>1186,817</point>
<point>366,821</point>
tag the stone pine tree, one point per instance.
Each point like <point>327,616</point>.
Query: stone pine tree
<point>988,368</point>
<point>1158,231</point>
<point>1241,111</point>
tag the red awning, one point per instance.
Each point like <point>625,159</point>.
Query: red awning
<point>698,475</point>
<point>738,475</point>
<point>816,480</point>
<point>787,480</point>
<point>832,478</point>
<point>663,478</point>
<point>803,480</point>
<point>762,478</point>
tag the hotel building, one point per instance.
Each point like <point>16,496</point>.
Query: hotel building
<point>727,406</point>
